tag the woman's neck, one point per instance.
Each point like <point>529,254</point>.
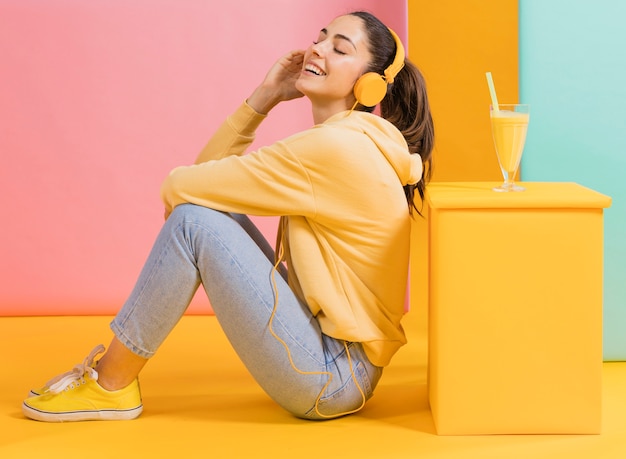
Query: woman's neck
<point>321,112</point>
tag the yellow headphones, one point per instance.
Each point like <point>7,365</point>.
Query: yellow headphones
<point>371,87</point>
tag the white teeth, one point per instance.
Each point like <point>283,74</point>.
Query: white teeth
<point>314,69</point>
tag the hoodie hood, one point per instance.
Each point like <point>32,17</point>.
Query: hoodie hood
<point>389,141</point>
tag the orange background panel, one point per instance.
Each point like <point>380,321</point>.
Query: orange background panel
<point>455,43</point>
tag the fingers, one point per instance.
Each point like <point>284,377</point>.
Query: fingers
<point>295,58</point>
<point>298,54</point>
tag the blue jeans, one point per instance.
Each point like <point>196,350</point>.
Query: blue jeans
<point>228,255</point>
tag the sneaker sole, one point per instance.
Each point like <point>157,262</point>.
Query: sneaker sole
<point>91,415</point>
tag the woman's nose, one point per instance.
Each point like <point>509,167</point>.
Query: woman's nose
<point>317,49</point>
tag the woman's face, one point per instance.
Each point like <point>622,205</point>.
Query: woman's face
<point>334,62</point>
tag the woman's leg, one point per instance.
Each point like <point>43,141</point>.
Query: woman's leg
<point>308,373</point>
<point>200,245</point>
<point>120,366</point>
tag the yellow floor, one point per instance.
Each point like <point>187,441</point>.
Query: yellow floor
<point>199,403</point>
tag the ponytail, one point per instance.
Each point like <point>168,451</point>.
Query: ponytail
<point>406,107</point>
<point>406,103</point>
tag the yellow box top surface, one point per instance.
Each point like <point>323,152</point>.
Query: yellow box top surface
<point>467,195</point>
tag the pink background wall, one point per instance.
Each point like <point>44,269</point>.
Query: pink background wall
<point>99,99</point>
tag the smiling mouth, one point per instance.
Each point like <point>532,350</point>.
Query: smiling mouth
<point>314,69</point>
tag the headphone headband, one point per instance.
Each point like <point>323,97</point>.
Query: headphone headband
<point>398,61</point>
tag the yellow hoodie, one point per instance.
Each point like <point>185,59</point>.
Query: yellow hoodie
<point>338,187</point>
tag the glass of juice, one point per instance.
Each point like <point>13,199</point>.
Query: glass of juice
<point>509,124</point>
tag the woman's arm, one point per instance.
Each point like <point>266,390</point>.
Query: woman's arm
<point>237,132</point>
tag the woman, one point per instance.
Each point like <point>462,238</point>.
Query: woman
<point>317,335</point>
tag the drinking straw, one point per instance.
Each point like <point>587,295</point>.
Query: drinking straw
<point>492,91</point>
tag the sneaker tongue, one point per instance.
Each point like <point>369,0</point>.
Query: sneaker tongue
<point>63,381</point>
<point>78,373</point>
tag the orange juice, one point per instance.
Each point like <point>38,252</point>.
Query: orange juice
<point>509,134</point>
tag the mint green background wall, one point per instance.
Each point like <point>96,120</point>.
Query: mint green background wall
<point>573,73</point>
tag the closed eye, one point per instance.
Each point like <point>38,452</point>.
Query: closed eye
<point>336,37</point>
<point>338,51</point>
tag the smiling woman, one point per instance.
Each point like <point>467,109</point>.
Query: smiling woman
<point>315,322</point>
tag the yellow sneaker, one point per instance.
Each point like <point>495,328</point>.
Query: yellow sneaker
<point>77,396</point>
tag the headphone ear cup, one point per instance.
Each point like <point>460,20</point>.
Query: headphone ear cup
<point>370,89</point>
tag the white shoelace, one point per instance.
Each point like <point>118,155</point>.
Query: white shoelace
<point>75,375</point>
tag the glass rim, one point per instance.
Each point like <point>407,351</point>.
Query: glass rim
<point>510,105</point>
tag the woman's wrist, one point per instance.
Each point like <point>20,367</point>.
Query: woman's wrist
<point>262,100</point>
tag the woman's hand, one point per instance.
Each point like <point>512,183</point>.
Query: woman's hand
<point>279,83</point>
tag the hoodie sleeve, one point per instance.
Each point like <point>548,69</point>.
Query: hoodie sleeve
<point>234,136</point>
<point>270,181</point>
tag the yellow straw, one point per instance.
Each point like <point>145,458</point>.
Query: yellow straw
<point>492,91</point>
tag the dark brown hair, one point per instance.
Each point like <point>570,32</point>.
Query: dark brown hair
<point>406,103</point>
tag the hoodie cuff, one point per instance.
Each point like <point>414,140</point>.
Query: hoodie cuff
<point>245,120</point>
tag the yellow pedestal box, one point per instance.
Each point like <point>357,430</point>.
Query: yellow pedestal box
<point>515,308</point>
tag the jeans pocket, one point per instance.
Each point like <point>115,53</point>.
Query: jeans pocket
<point>350,397</point>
